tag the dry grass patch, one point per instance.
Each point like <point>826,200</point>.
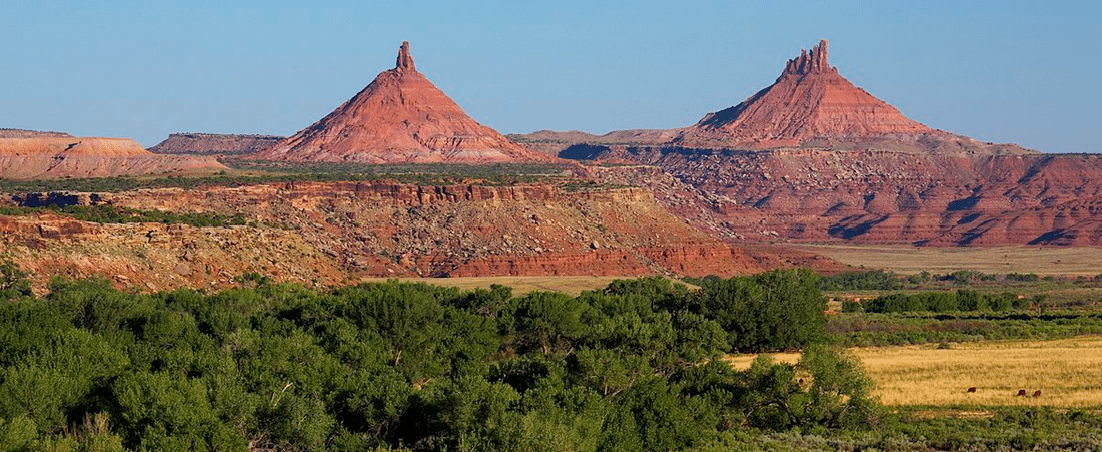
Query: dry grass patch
<point>1072,261</point>
<point>1068,372</point>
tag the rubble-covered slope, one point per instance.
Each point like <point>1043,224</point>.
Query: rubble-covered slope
<point>324,232</point>
<point>214,143</point>
<point>942,199</point>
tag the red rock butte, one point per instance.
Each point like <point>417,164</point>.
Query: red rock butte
<point>401,117</point>
<point>809,101</point>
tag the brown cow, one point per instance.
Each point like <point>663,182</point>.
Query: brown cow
<point>1021,393</point>
<point>972,389</point>
<point>1037,393</point>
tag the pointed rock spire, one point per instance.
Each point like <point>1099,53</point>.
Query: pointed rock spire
<point>809,62</point>
<point>405,61</point>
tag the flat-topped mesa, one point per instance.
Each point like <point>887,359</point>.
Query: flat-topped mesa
<point>405,61</point>
<point>809,63</point>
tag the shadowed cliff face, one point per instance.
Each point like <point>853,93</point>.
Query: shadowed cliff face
<point>401,117</point>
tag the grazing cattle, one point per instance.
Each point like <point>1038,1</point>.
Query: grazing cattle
<point>1037,393</point>
<point>1021,393</point>
<point>972,389</point>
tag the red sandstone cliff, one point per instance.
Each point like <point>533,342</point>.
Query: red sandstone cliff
<point>876,196</point>
<point>385,228</point>
<point>401,117</point>
<point>323,232</point>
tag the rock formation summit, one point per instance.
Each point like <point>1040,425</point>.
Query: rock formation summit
<point>401,117</point>
<point>810,102</point>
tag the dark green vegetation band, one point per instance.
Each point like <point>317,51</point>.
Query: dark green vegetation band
<point>633,367</point>
<point>636,366</point>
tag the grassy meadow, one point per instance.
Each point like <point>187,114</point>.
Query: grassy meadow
<point>1068,372</point>
<point>1069,261</point>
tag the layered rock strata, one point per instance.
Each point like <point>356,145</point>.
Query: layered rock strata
<point>809,100</point>
<point>935,199</point>
<point>473,230</point>
<point>324,232</point>
<point>56,155</point>
<point>401,117</point>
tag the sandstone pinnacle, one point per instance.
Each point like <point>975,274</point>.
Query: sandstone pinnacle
<point>807,63</point>
<point>405,61</point>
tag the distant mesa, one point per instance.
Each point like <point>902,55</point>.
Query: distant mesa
<point>553,143</point>
<point>27,154</point>
<point>401,117</point>
<point>24,133</point>
<point>215,143</point>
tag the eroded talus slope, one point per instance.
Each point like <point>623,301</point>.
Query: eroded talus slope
<point>55,155</point>
<point>474,230</point>
<point>890,196</point>
<point>157,256</point>
<point>401,117</point>
<point>323,232</point>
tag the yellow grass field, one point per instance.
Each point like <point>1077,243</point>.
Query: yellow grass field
<point>1068,372</point>
<point>1071,261</point>
<point>521,285</point>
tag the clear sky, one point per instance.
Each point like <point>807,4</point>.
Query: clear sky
<point>1003,71</point>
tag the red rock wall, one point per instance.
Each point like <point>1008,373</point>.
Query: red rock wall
<point>942,199</point>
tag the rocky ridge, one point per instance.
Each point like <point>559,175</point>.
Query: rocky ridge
<point>24,133</point>
<point>934,199</point>
<point>324,232</point>
<point>471,230</point>
<point>214,143</point>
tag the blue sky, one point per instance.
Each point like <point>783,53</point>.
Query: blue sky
<point>1004,71</point>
